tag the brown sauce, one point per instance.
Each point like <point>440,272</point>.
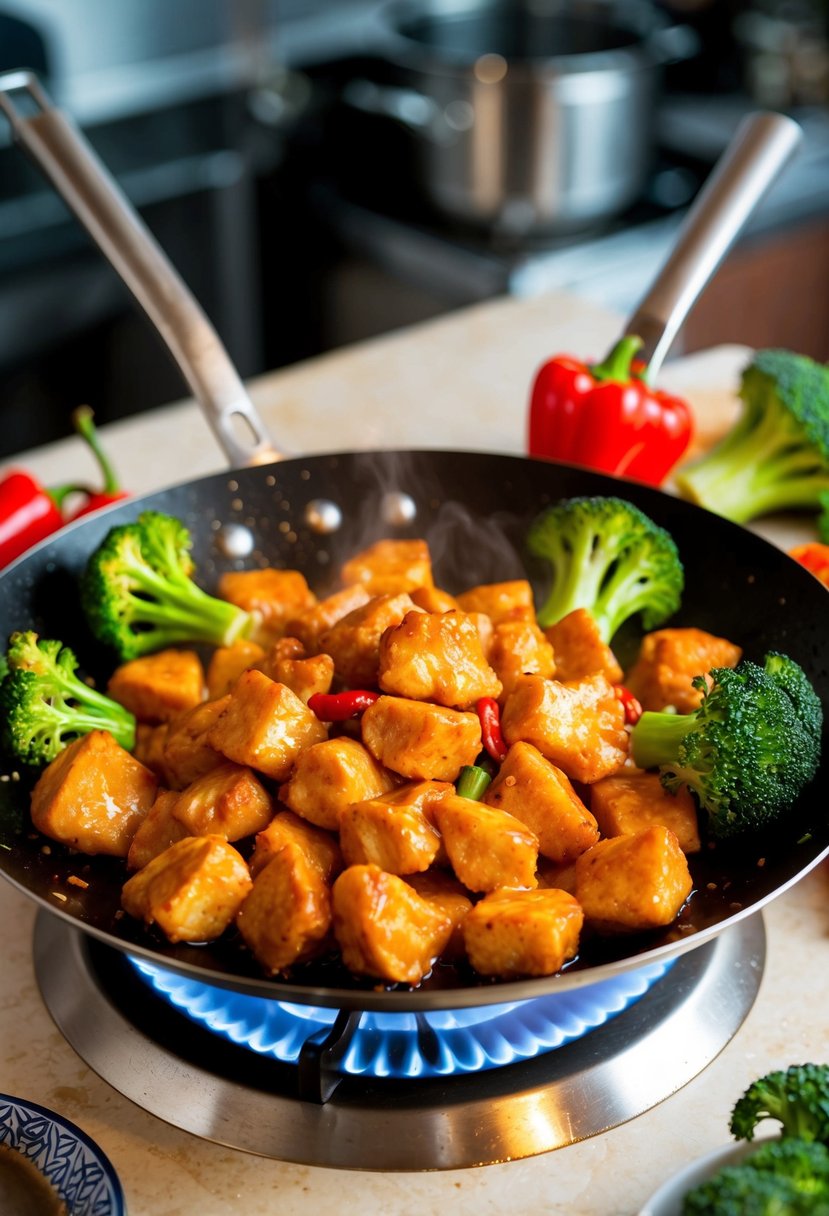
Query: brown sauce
<point>24,1191</point>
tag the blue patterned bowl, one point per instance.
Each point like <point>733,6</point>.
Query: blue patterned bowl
<point>80,1173</point>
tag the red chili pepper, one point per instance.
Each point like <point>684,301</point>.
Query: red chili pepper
<point>489,715</point>
<point>28,513</point>
<point>83,420</point>
<point>340,706</point>
<point>607,417</point>
<point>633,709</point>
<point>815,557</point>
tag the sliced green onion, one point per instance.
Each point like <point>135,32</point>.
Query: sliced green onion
<point>472,782</point>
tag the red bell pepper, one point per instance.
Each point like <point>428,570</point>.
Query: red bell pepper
<point>815,557</point>
<point>340,706</point>
<point>110,491</point>
<point>489,715</point>
<point>606,416</point>
<point>28,513</point>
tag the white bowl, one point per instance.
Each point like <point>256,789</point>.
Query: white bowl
<point>667,1201</point>
<point>81,1174</point>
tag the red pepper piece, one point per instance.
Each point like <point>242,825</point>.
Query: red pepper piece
<point>632,707</point>
<point>815,557</point>
<point>607,417</point>
<point>83,420</point>
<point>489,715</point>
<point>28,513</point>
<point>340,706</point>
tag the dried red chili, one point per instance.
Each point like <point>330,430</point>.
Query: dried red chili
<point>489,715</point>
<point>632,707</point>
<point>340,706</point>
<point>605,416</point>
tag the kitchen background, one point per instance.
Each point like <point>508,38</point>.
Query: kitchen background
<point>311,193</point>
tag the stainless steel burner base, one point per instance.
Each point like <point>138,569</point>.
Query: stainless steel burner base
<point>612,1074</point>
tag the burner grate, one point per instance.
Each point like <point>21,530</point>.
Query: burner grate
<point>438,1043</point>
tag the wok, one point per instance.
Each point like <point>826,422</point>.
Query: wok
<point>473,508</point>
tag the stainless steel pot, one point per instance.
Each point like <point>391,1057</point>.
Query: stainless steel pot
<point>532,115</point>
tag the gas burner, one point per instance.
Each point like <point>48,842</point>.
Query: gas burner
<point>204,1084</point>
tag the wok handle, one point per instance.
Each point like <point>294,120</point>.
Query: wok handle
<point>85,185</point>
<point>759,150</point>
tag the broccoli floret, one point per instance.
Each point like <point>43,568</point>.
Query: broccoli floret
<point>45,705</point>
<point>138,594</point>
<point>797,1096</point>
<point>791,677</point>
<point>745,753</point>
<point>781,1178</point>
<point>776,456</point>
<point>606,556</point>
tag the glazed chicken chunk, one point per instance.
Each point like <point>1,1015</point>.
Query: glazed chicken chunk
<point>192,890</point>
<point>157,831</point>
<point>579,648</point>
<point>394,836</point>
<point>625,804</point>
<point>523,933</point>
<point>331,775</point>
<point>580,727</point>
<point>186,753</point>
<point>509,601</point>
<point>288,663</point>
<point>228,662</point>
<point>384,928</point>
<point>287,915</point>
<point>265,726</point>
<point>93,796</point>
<point>436,657</point>
<point>354,641</point>
<point>542,797</point>
<point>668,661</point>
<point>421,741</point>
<point>159,687</point>
<point>229,801</point>
<point>314,622</point>
<point>390,566</point>
<point>628,884</point>
<point>487,848</point>
<point>519,648</point>
<point>322,850</point>
<point>271,596</point>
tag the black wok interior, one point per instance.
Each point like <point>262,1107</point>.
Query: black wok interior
<point>473,508</point>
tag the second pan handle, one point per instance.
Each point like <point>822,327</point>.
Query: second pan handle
<point>759,150</point>
<point>72,167</point>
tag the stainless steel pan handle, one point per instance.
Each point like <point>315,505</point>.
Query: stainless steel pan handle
<point>759,150</point>
<point>87,188</point>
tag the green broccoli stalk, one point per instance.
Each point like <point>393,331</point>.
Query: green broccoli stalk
<point>45,705</point>
<point>823,518</point>
<point>781,1178</point>
<point>138,594</point>
<point>747,752</point>
<point>608,557</point>
<point>776,456</point>
<point>798,1097</point>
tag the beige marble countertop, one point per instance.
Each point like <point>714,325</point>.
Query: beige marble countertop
<point>459,382</point>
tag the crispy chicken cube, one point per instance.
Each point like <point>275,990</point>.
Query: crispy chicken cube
<point>272,596</point>
<point>421,741</point>
<point>384,928</point>
<point>628,884</point>
<point>579,726</point>
<point>286,918</point>
<point>229,801</point>
<point>321,848</point>
<point>668,661</point>
<point>432,599</point>
<point>159,687</point>
<point>228,662</point>
<point>509,601</point>
<point>487,848</point>
<point>523,933</point>
<point>390,566</point>
<point>187,754</point>
<point>156,832</point>
<point>314,622</point>
<point>265,726</point>
<point>93,796</point>
<point>354,641</point>
<point>436,657</point>
<point>444,892</point>
<point>288,663</point>
<point>397,838</point>
<point>519,648</point>
<point>331,775</point>
<point>579,648</point>
<point>629,802</point>
<point>192,890</point>
<point>542,797</point>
